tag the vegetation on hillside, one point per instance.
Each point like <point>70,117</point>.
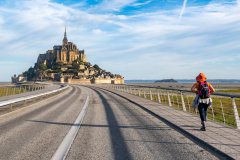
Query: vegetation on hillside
<point>78,69</point>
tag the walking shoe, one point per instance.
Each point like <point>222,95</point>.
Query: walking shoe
<point>203,129</point>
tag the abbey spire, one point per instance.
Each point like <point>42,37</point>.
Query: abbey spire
<point>65,41</point>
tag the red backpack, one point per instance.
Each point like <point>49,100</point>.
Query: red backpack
<point>203,90</point>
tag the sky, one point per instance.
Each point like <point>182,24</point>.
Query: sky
<point>139,39</point>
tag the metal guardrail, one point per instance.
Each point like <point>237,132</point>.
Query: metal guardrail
<point>16,100</point>
<point>182,99</point>
<point>182,90</point>
<point>18,89</point>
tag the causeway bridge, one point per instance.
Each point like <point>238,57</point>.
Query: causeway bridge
<point>121,122</point>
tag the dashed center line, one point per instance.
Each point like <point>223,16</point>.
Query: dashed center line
<point>65,146</point>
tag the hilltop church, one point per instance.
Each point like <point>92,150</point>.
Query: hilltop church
<point>66,63</point>
<point>62,54</point>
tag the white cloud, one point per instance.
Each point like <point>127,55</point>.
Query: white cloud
<point>148,45</point>
<point>111,5</point>
<point>98,31</point>
<point>1,20</point>
<point>141,3</point>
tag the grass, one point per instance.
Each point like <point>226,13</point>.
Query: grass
<point>229,91</point>
<point>11,91</point>
<point>5,91</point>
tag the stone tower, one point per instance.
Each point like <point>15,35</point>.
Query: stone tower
<point>65,41</point>
<point>62,54</point>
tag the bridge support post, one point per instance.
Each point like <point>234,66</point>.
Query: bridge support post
<point>223,115</point>
<point>236,115</point>
<point>144,93</point>
<point>172,98</point>
<point>177,100</point>
<point>159,98</point>
<point>151,97</point>
<point>169,100</point>
<point>188,103</point>
<point>183,103</point>
<point>164,97</point>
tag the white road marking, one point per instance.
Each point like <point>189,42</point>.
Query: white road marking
<point>65,146</point>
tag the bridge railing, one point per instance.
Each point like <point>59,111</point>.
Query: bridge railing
<point>17,89</point>
<point>225,107</point>
<point>24,99</point>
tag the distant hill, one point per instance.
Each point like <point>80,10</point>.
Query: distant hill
<point>166,80</point>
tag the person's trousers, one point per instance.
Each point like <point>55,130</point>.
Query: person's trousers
<point>202,108</point>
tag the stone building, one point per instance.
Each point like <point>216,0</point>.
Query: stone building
<point>66,63</point>
<point>62,54</point>
<point>18,79</point>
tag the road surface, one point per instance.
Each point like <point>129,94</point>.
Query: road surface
<point>112,128</point>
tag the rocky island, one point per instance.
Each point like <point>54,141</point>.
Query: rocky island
<point>166,80</point>
<point>66,63</point>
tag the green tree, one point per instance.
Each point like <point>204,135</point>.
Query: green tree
<point>43,67</point>
<point>42,70</point>
<point>96,67</point>
<point>30,74</point>
<point>75,65</point>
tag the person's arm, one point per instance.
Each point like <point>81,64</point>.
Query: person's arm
<point>194,88</point>
<point>212,90</point>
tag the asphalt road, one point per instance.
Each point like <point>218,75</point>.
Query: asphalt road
<point>112,128</point>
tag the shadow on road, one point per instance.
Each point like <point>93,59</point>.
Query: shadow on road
<point>119,146</point>
<point>56,123</point>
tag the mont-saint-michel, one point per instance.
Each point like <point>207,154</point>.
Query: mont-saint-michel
<point>66,63</point>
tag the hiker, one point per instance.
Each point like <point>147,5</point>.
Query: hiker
<point>203,89</point>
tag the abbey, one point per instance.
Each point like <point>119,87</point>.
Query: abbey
<point>66,63</point>
<point>62,54</point>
